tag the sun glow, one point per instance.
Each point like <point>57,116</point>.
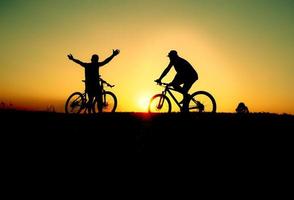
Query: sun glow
<point>222,42</point>
<point>143,103</point>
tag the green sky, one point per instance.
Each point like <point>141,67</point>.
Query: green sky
<point>242,49</point>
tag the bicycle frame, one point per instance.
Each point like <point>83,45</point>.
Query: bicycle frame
<point>78,101</point>
<point>168,89</point>
<point>102,83</point>
<point>199,101</point>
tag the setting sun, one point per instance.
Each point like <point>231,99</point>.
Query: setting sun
<point>143,103</point>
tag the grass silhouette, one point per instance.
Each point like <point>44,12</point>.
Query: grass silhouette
<point>155,133</point>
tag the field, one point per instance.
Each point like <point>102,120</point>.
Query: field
<point>210,146</point>
<point>156,134</point>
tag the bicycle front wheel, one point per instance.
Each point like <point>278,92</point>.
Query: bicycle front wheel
<point>75,103</point>
<point>159,103</point>
<point>109,103</point>
<point>202,101</point>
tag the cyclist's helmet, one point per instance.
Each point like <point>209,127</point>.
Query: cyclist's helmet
<point>173,53</point>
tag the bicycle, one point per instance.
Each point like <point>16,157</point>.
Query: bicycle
<point>199,101</point>
<point>78,102</point>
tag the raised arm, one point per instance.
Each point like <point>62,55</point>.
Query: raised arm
<point>75,60</point>
<point>107,60</point>
<point>164,72</point>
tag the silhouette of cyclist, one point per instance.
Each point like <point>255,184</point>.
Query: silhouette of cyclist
<point>186,75</point>
<point>93,88</point>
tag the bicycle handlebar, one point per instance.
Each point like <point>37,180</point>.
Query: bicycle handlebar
<point>161,83</point>
<point>103,81</point>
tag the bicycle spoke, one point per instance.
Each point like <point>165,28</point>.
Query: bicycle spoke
<point>108,104</point>
<point>74,103</point>
<point>159,103</point>
<point>202,101</point>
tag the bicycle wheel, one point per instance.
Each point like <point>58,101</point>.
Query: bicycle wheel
<point>159,103</point>
<point>75,103</point>
<point>109,102</point>
<point>202,101</point>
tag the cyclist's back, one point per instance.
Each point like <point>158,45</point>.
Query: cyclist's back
<point>91,73</point>
<point>91,77</point>
<point>184,68</point>
<point>186,74</point>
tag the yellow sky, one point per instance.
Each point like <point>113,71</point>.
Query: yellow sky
<point>242,50</point>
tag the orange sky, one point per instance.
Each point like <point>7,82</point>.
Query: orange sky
<point>242,50</point>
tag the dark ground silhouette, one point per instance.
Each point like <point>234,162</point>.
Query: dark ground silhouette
<point>155,134</point>
<point>221,140</point>
<point>215,150</point>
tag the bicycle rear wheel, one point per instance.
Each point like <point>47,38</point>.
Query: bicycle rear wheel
<point>202,101</point>
<point>109,102</point>
<point>75,103</point>
<point>159,103</point>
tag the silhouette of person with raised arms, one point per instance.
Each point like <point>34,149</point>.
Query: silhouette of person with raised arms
<point>93,88</point>
<point>186,75</point>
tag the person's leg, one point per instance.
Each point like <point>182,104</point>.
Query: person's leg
<point>187,85</point>
<point>176,82</point>
<point>90,88</point>
<point>90,102</point>
<point>186,97</point>
<point>99,100</point>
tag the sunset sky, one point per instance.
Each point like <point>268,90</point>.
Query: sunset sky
<point>243,50</point>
